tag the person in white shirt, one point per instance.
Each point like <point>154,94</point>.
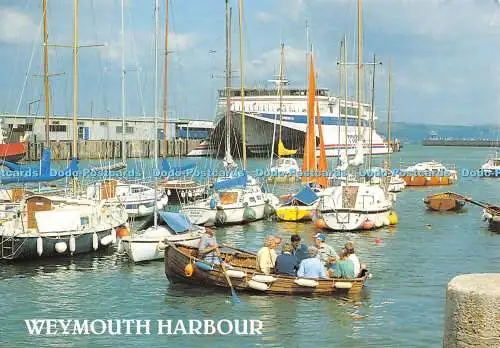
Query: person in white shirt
<point>349,246</point>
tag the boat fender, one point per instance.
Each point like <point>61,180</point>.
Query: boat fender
<point>95,241</point>
<point>159,205</point>
<point>39,246</point>
<point>235,273</point>
<point>113,234</point>
<point>72,244</point>
<point>257,285</point>
<point>164,201</point>
<point>268,210</point>
<point>213,203</point>
<point>393,218</point>
<point>169,193</point>
<point>203,266</point>
<point>249,213</point>
<point>142,210</point>
<point>61,247</point>
<point>343,285</point>
<point>264,278</point>
<point>379,221</point>
<point>220,217</point>
<point>106,240</point>
<point>188,270</point>
<point>311,283</point>
<point>190,194</point>
<point>161,246</point>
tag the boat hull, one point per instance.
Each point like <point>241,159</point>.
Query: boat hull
<point>428,180</point>
<point>25,248</point>
<point>13,152</point>
<point>295,213</point>
<point>177,257</point>
<point>446,201</point>
<point>352,220</point>
<point>148,250</point>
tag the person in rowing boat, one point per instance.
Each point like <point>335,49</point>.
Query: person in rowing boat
<point>349,247</point>
<point>312,267</point>
<point>207,247</point>
<point>299,249</point>
<point>266,256</point>
<point>286,263</point>
<point>326,253</point>
<point>345,267</point>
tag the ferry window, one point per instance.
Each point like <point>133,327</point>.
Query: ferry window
<point>103,123</point>
<point>84,220</point>
<point>252,199</point>
<point>129,130</point>
<point>259,198</point>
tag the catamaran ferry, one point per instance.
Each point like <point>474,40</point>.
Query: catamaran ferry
<point>339,118</point>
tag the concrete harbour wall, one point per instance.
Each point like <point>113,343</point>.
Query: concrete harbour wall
<point>472,315</point>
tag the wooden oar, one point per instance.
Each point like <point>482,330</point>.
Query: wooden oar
<point>234,297</point>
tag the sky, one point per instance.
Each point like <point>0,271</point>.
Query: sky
<point>443,53</point>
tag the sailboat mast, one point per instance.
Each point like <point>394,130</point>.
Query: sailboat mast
<point>389,115</point>
<point>165,85</point>
<point>46,73</point>
<point>280,94</point>
<point>242,86</point>
<point>75,80</point>
<point>155,222</point>
<point>372,114</point>
<point>123,80</point>
<point>341,84</point>
<point>228,80</point>
<point>359,66</point>
<point>346,86</point>
<point>280,86</point>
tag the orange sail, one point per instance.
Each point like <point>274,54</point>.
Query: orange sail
<point>309,163</point>
<point>322,164</point>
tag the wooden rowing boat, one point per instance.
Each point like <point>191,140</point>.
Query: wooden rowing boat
<point>244,276</point>
<point>445,201</point>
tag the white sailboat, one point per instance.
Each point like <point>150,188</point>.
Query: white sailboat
<point>491,168</point>
<point>355,205</point>
<point>45,226</point>
<point>147,243</point>
<point>237,199</point>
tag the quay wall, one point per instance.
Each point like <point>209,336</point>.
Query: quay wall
<point>111,149</point>
<point>467,143</point>
<point>472,311</point>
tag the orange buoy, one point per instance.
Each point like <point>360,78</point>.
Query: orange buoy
<point>122,232</point>
<point>377,240</point>
<point>320,223</point>
<point>367,225</point>
<point>188,270</point>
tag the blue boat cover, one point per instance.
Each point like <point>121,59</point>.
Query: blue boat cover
<point>178,222</point>
<point>37,175</point>
<point>167,167</point>
<point>306,196</point>
<point>43,167</point>
<point>239,181</point>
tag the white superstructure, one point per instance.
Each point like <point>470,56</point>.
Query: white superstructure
<point>262,112</point>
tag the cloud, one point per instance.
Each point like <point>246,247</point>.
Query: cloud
<point>266,17</point>
<point>16,27</point>
<point>182,41</point>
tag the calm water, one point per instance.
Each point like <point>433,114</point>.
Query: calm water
<point>402,305</point>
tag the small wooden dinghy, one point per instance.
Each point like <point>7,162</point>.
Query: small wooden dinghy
<point>445,201</point>
<point>244,276</point>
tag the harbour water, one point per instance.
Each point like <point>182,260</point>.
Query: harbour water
<point>402,305</point>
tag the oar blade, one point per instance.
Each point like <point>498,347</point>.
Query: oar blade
<point>234,297</point>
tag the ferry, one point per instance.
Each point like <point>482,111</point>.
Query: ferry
<point>262,116</point>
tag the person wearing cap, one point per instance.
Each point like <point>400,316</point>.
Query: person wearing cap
<point>207,247</point>
<point>286,263</point>
<point>345,267</point>
<point>349,246</point>
<point>266,256</point>
<point>298,249</point>
<point>312,267</point>
<point>326,253</point>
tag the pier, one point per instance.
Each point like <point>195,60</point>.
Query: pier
<point>111,149</point>
<point>461,142</point>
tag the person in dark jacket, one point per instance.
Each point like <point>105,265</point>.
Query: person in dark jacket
<point>286,263</point>
<point>299,249</point>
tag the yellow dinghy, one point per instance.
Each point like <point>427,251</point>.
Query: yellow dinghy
<point>299,207</point>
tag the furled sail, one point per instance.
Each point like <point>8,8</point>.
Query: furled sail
<point>322,163</point>
<point>309,162</point>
